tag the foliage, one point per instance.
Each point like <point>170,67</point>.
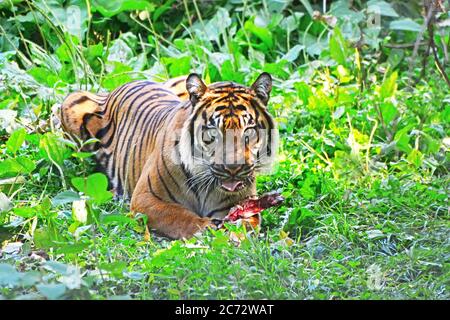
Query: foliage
<point>363,160</point>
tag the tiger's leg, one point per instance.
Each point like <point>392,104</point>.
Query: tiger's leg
<point>169,219</point>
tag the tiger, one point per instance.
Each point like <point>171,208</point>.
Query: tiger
<point>181,151</point>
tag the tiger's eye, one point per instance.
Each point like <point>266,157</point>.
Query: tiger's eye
<point>209,135</point>
<point>249,134</point>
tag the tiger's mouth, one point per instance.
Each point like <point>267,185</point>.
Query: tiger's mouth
<point>232,185</point>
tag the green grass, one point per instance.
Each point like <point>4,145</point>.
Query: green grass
<point>363,159</point>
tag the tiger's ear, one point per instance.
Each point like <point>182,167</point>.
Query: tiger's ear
<point>263,86</point>
<point>195,87</point>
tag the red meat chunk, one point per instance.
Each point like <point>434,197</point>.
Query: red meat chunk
<point>254,205</point>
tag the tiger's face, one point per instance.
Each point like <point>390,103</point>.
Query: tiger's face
<point>229,136</point>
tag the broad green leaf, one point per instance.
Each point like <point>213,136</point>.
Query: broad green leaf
<point>18,165</point>
<point>228,74</point>
<point>80,230</point>
<point>217,25</point>
<point>120,51</point>
<point>382,8</point>
<point>405,25</point>
<point>402,139</point>
<point>16,140</point>
<point>389,86</point>
<point>110,8</point>
<point>260,32</point>
<point>57,267</point>
<point>116,268</point>
<point>341,8</point>
<point>278,69</point>
<point>72,248</point>
<point>26,212</point>
<point>305,215</point>
<point>8,275</point>
<point>120,75</point>
<point>415,157</point>
<point>43,76</point>
<point>51,291</point>
<point>307,6</point>
<point>160,9</point>
<point>178,66</point>
<point>30,278</point>
<point>43,239</point>
<point>53,149</point>
<point>65,197</point>
<point>95,186</point>
<point>338,47</point>
<point>388,111</point>
<point>303,91</point>
<point>71,15</point>
<point>116,218</point>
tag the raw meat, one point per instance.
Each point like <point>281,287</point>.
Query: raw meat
<point>253,206</point>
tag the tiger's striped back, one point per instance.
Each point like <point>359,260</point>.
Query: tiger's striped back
<point>126,123</point>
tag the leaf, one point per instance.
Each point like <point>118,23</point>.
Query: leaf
<point>111,8</point>
<point>382,8</point>
<point>116,268</point>
<point>293,53</point>
<point>56,267</point>
<point>82,155</point>
<point>307,6</point>
<point>178,66</point>
<point>375,234</point>
<point>95,186</point>
<point>16,140</point>
<point>402,139</point>
<point>415,157</point>
<point>260,32</point>
<point>80,230</point>
<point>72,248</point>
<point>278,69</point>
<point>120,51</point>
<point>65,197</point>
<point>117,218</point>
<point>8,275</point>
<point>229,74</point>
<point>43,239</point>
<point>389,86</point>
<point>338,47</point>
<point>303,91</point>
<point>53,149</point>
<point>217,25</point>
<point>30,278</point>
<point>405,25</point>
<point>72,280</point>
<point>26,212</point>
<point>388,111</point>
<point>12,247</point>
<point>338,112</point>
<point>16,166</point>
<point>51,291</point>
<point>119,76</point>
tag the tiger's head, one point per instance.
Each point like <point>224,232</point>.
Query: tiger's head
<point>229,136</point>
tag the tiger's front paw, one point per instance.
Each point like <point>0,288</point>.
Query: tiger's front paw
<point>197,227</point>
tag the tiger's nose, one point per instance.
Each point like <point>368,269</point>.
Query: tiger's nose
<point>233,169</point>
